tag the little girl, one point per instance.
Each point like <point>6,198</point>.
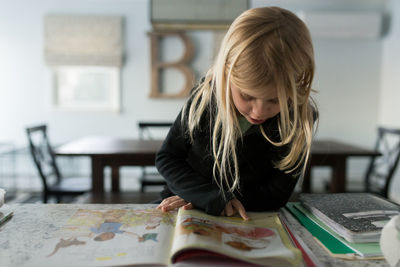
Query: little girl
<point>243,138</point>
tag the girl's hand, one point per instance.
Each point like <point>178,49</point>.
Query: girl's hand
<point>174,202</point>
<point>233,207</point>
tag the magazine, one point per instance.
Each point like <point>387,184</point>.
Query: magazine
<point>148,236</point>
<point>357,217</point>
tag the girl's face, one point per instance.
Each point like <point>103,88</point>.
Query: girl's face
<point>256,107</point>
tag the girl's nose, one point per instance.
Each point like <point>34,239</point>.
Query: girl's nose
<point>260,110</point>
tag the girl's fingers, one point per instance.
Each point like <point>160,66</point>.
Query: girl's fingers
<point>171,203</point>
<point>162,205</point>
<point>243,214</point>
<point>167,201</point>
<point>177,203</point>
<point>239,207</point>
<point>229,209</point>
<point>170,206</point>
<point>232,207</point>
<point>188,206</point>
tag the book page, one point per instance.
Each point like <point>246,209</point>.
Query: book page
<point>111,237</point>
<point>260,240</point>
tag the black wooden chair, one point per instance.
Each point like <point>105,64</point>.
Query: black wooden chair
<point>381,169</point>
<point>148,131</point>
<point>53,183</point>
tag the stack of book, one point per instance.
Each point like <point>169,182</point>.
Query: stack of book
<point>347,225</point>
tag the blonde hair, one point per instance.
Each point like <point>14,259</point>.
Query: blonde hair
<point>263,47</point>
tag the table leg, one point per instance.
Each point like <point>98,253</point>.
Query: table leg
<point>115,179</point>
<point>97,175</point>
<point>338,182</point>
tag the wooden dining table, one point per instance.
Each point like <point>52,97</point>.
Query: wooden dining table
<point>32,233</point>
<point>334,154</point>
<point>113,152</point>
<point>116,152</point>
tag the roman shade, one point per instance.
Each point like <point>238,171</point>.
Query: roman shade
<point>83,40</point>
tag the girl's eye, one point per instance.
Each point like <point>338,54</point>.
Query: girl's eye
<point>246,97</point>
<point>274,101</point>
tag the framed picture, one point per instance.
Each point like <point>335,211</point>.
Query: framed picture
<point>89,88</point>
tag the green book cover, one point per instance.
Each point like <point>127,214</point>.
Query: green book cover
<point>332,241</point>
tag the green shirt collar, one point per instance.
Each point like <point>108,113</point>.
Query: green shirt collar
<point>244,124</point>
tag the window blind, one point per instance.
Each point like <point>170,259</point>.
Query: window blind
<point>83,40</point>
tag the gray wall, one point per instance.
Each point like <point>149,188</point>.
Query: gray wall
<point>355,78</point>
<point>389,108</point>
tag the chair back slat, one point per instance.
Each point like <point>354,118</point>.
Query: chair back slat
<point>151,131</point>
<point>43,155</point>
<point>381,168</point>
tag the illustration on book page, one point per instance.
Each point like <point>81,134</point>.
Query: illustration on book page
<point>112,237</point>
<point>233,238</point>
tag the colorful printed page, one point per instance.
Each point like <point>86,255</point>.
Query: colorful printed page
<point>261,240</point>
<point>111,237</point>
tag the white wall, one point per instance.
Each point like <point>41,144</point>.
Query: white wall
<point>389,108</point>
<point>25,87</point>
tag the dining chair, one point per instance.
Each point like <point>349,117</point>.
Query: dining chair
<point>148,131</point>
<point>43,157</point>
<point>381,169</point>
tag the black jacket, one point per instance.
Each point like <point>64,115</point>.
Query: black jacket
<point>187,168</point>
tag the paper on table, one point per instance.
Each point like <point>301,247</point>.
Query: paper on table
<point>6,213</point>
<point>2,193</point>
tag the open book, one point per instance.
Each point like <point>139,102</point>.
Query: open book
<point>148,236</point>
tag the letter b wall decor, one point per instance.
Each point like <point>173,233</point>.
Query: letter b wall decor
<point>182,64</point>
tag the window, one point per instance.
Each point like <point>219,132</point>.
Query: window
<point>87,88</point>
<point>85,54</point>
